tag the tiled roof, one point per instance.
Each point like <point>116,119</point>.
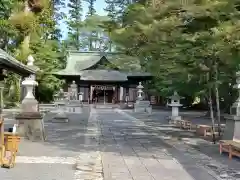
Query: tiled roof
<point>12,64</point>
<point>80,64</point>
<point>81,61</point>
<point>103,75</point>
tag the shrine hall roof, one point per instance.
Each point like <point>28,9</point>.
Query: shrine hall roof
<point>103,75</point>
<point>83,64</point>
<point>10,63</point>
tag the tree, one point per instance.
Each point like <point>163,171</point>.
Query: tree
<point>75,24</point>
<point>91,8</point>
<point>190,46</point>
<point>29,26</point>
<point>93,34</point>
<point>111,9</point>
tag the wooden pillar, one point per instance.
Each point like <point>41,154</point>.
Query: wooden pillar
<point>131,94</point>
<point>114,95</point>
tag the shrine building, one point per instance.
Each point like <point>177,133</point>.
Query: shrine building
<point>99,79</point>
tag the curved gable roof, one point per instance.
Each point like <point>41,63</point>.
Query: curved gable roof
<point>80,61</point>
<point>80,64</point>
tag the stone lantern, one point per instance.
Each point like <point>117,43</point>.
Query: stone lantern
<point>29,103</point>
<point>232,129</point>
<point>30,120</point>
<point>30,63</point>
<point>140,91</point>
<point>141,105</point>
<point>175,104</point>
<point>60,103</point>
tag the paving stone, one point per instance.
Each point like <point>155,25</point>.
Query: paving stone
<point>166,159</point>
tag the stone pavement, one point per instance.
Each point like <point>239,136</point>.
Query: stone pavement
<point>130,150</point>
<point>58,157</point>
<point>203,153</point>
<point>116,145</point>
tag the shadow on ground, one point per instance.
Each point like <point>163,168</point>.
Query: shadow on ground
<point>144,138</point>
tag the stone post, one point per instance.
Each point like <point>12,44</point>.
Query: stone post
<point>121,94</point>
<point>30,121</point>
<point>232,129</point>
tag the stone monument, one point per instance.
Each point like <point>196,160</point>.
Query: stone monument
<point>142,105</point>
<point>61,103</point>
<point>75,104</point>
<point>30,120</point>
<point>175,104</point>
<point>74,91</point>
<point>232,128</point>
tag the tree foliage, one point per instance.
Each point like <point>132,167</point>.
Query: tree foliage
<point>32,32</point>
<point>184,44</point>
<point>88,33</point>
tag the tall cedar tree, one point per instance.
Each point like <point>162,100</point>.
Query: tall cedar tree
<point>91,9</point>
<point>91,12</point>
<point>110,9</point>
<point>75,23</point>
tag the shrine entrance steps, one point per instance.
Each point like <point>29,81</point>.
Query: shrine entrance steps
<point>106,106</point>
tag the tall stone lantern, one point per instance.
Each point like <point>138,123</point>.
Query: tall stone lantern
<point>141,105</point>
<point>232,129</point>
<point>30,63</point>
<point>30,120</point>
<point>29,103</point>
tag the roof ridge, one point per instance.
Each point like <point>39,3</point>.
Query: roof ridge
<point>93,52</point>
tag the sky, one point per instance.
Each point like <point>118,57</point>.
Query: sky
<point>99,6</point>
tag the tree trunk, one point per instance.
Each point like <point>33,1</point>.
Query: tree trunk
<point>110,46</point>
<point>211,110</point>
<point>90,42</point>
<point>217,100</point>
<point>212,116</point>
<point>26,40</point>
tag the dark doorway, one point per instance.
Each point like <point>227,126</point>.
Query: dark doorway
<point>102,96</point>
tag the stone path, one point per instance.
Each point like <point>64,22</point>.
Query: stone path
<point>112,145</point>
<point>132,152</point>
<point>89,164</point>
<point>54,159</point>
<point>219,166</point>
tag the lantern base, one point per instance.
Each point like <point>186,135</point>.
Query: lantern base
<point>232,129</point>
<point>141,106</point>
<point>31,126</point>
